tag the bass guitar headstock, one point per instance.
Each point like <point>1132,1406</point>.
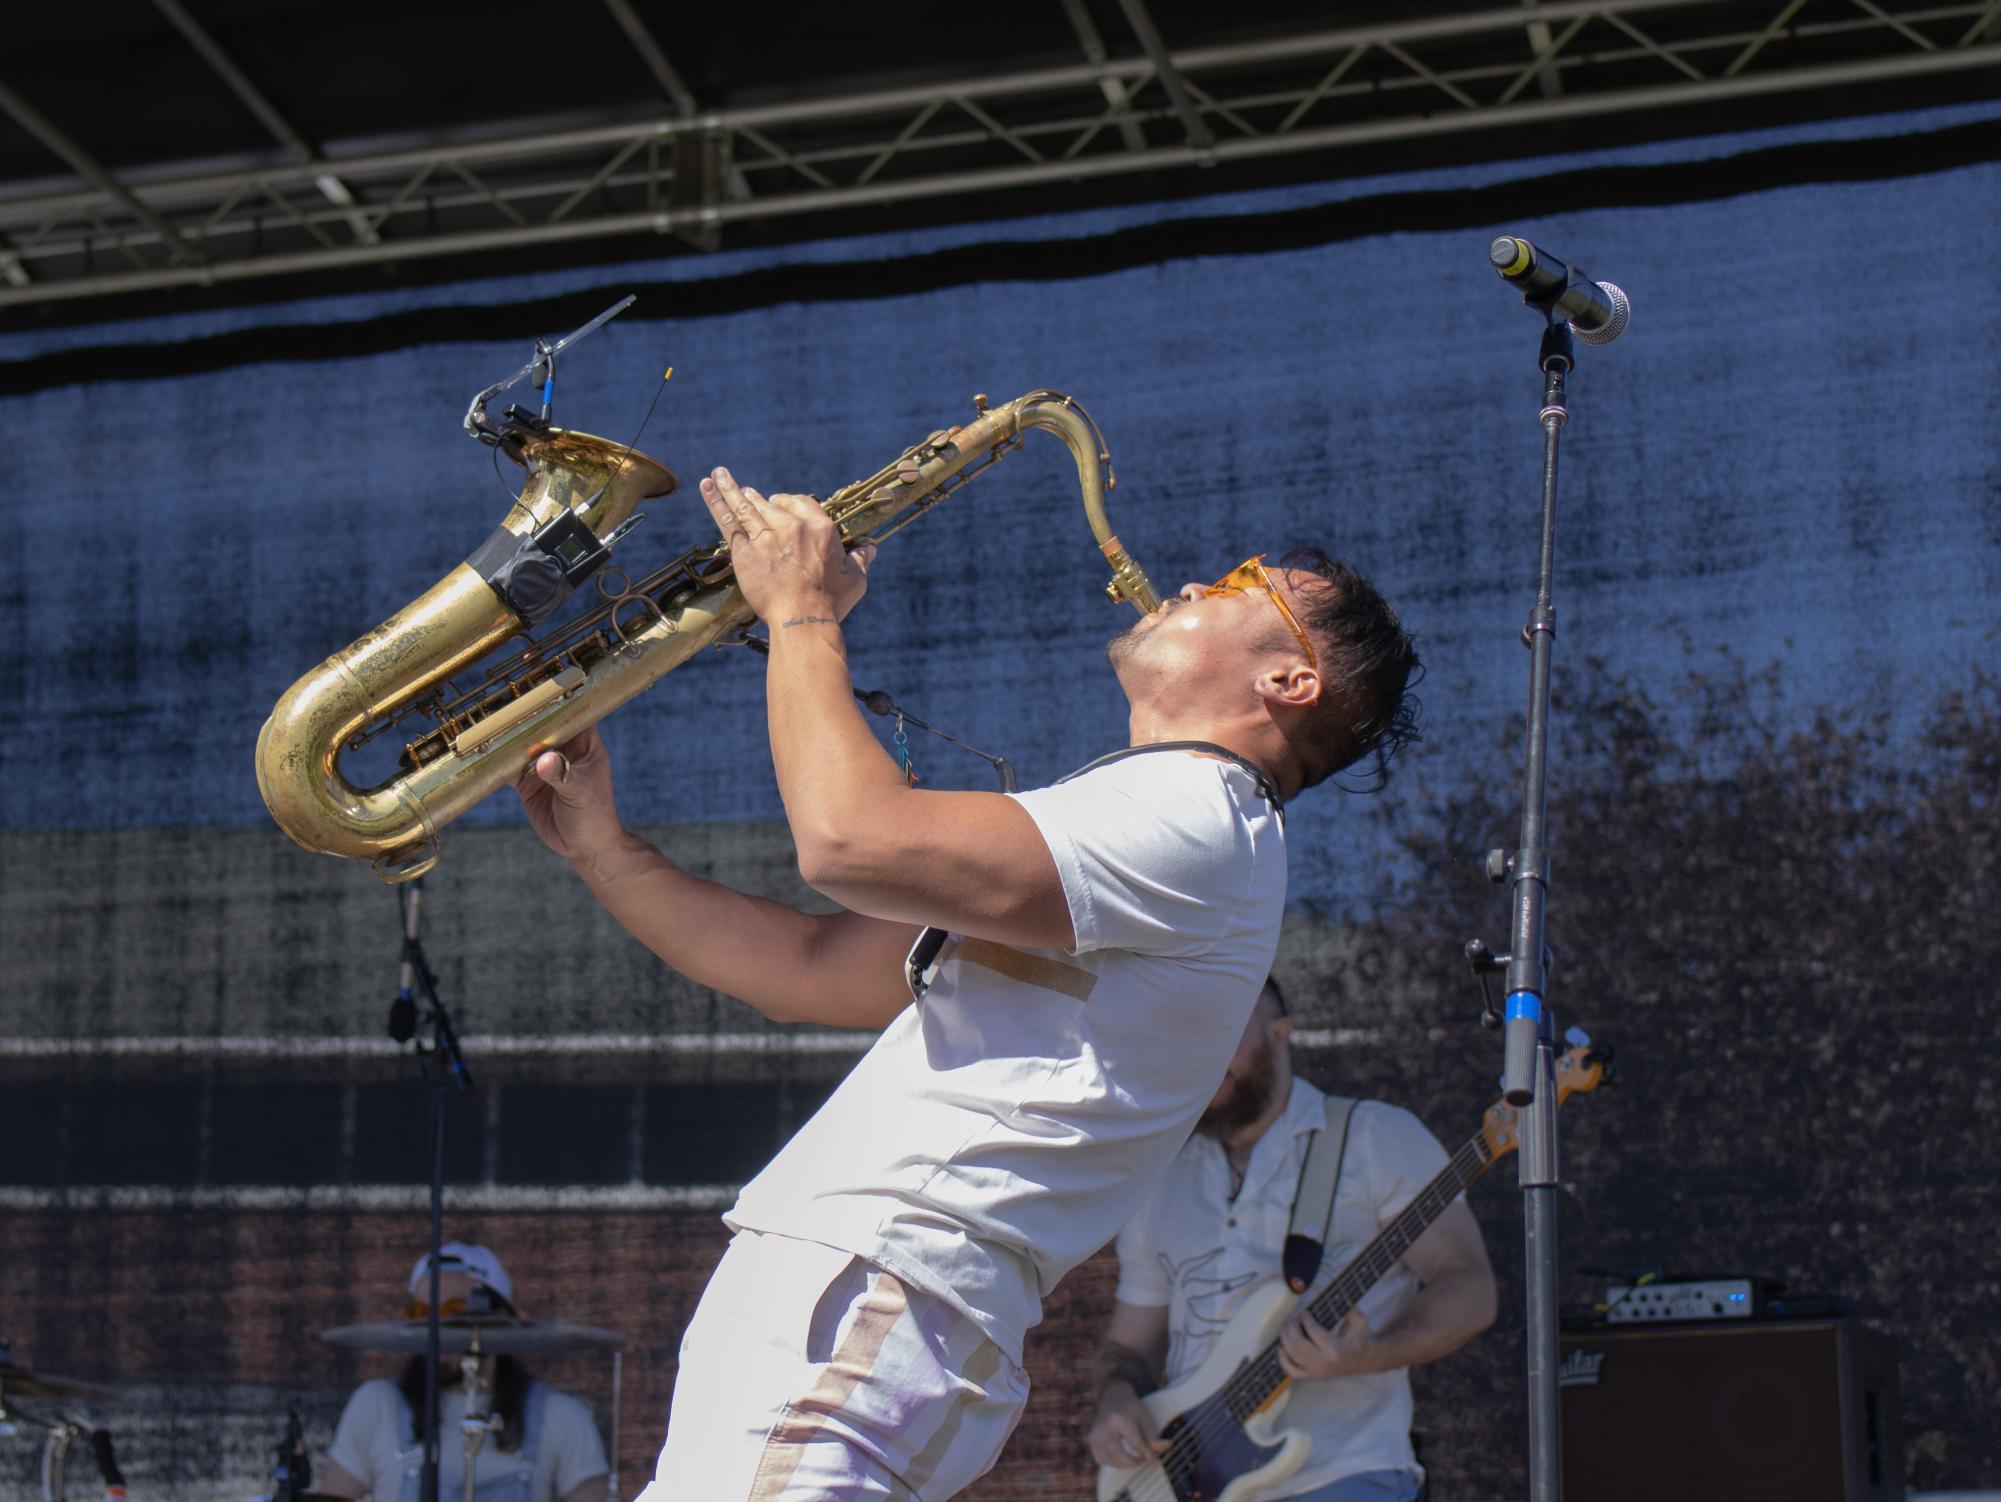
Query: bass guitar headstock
<point>1585,1067</point>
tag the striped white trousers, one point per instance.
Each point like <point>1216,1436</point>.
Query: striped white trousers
<point>811,1375</point>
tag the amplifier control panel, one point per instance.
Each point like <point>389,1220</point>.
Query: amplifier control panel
<point>1659,1303</point>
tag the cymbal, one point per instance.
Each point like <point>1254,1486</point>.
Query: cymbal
<point>19,1382</point>
<point>498,1336</point>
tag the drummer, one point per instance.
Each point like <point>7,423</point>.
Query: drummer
<point>547,1447</point>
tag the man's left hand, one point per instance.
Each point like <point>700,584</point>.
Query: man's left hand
<point>786,553</point>
<point>1307,1348</point>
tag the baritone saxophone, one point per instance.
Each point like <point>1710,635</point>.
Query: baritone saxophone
<point>581,493</point>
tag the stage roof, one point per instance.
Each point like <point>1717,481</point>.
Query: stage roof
<point>196,151</point>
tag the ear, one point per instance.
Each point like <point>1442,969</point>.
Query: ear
<point>1294,686</point>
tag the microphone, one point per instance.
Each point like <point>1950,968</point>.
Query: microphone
<point>1597,311</point>
<point>294,1471</point>
<point>403,1010</point>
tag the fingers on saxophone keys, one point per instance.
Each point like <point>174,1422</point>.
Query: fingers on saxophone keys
<point>726,516</point>
<point>756,518</point>
<point>735,506</point>
<point>803,509</point>
<point>545,771</point>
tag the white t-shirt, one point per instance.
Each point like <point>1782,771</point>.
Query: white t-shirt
<point>370,1445</point>
<point>1194,1250</point>
<point>1001,1130</point>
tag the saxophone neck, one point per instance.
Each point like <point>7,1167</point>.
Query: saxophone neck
<point>1066,418</point>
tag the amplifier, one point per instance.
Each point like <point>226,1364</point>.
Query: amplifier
<point>1654,1303</point>
<point>1752,1411</point>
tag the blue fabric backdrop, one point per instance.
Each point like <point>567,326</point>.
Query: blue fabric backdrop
<point>1791,454</point>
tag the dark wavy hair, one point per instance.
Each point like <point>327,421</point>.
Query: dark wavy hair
<point>1370,664</point>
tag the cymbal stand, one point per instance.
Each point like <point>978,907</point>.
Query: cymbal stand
<point>444,1066</point>
<point>477,1423</point>
<point>62,1434</point>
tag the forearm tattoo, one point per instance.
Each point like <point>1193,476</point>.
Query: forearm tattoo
<point>810,620</point>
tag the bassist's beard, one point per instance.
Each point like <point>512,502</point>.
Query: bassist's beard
<point>1242,1097</point>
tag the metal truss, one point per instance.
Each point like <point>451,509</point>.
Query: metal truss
<point>692,172</point>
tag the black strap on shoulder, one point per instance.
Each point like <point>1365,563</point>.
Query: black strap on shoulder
<point>1266,788</point>
<point>1313,1198</point>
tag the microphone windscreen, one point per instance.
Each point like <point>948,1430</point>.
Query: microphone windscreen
<point>1612,327</point>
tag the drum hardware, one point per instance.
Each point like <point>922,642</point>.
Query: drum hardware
<point>59,1433</point>
<point>63,1433</point>
<point>293,1473</point>
<point>493,1335</point>
<point>473,1336</point>
<point>477,1423</point>
<point>16,1381</point>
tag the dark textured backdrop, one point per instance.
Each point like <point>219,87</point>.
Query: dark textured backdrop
<point>1781,544</point>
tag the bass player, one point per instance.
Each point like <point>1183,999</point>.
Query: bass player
<point>1215,1228</point>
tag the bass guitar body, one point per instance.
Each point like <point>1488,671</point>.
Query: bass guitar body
<point>1213,1455</point>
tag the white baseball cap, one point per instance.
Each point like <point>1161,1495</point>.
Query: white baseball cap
<point>477,1262</point>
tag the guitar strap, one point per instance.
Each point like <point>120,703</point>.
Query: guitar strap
<point>1313,1200</point>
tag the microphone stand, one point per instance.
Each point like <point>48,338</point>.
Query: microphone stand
<point>443,1065</point>
<point>1528,1079</point>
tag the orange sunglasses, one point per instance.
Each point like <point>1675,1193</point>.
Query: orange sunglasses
<point>1250,574</point>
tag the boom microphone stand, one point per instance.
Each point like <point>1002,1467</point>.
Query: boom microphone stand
<point>444,1066</point>
<point>1563,295</point>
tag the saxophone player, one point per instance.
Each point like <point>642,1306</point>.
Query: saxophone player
<point>1083,958</point>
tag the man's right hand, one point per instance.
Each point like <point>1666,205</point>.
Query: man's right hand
<point>1122,1433</point>
<point>567,793</point>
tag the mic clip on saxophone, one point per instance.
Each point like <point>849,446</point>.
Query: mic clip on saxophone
<point>534,575</point>
<point>543,366</point>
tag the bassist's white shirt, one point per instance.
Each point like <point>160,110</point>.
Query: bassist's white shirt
<point>1196,1251</point>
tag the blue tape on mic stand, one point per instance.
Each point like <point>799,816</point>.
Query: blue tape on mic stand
<point>1524,1004</point>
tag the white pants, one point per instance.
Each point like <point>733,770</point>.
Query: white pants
<point>812,1375</point>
